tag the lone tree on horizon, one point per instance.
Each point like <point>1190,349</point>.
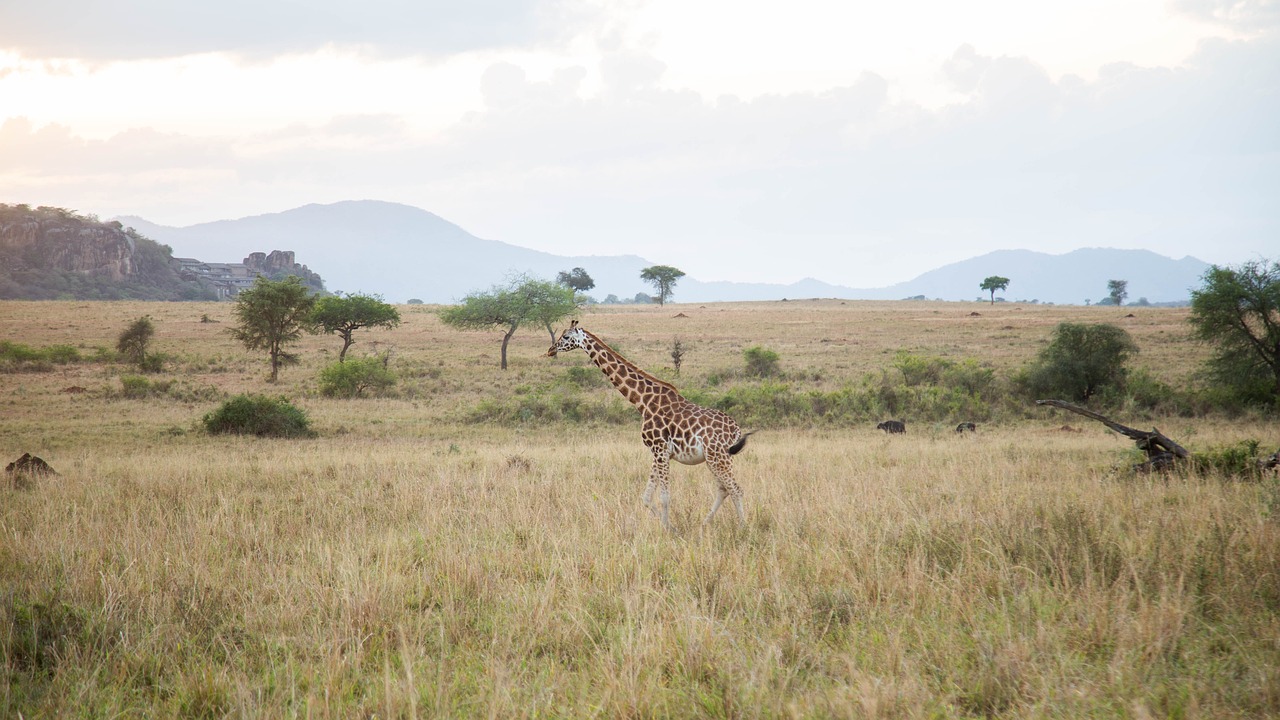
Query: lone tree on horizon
<point>1117,291</point>
<point>994,283</point>
<point>663,278</point>
<point>577,279</point>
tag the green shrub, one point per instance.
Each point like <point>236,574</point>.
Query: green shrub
<point>761,362</point>
<point>585,376</point>
<point>1080,361</point>
<point>62,354</point>
<point>258,415</point>
<point>1238,460</point>
<point>553,406</point>
<point>354,377</point>
<point>16,357</point>
<point>136,386</point>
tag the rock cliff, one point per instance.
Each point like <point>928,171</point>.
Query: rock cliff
<point>56,239</point>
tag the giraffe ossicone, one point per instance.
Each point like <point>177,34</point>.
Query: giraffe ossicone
<point>672,427</point>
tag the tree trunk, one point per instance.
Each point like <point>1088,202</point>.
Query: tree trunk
<point>346,343</point>
<point>506,339</point>
<point>275,362</point>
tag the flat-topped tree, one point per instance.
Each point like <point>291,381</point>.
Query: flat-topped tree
<point>523,301</point>
<point>343,315</point>
<point>994,283</point>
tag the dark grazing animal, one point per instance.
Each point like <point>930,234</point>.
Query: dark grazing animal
<point>966,427</point>
<point>892,426</point>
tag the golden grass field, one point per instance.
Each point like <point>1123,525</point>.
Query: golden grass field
<point>409,562</point>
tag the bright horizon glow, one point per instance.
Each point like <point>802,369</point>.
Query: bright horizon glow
<point>907,135</point>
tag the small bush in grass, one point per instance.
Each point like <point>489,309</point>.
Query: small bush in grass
<point>258,415</point>
<point>355,377</point>
<point>761,362</point>
<point>137,386</point>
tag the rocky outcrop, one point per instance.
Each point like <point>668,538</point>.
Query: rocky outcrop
<point>55,239</point>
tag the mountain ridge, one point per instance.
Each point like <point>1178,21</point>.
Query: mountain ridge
<point>374,246</point>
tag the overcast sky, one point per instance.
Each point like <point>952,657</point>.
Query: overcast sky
<point>857,143</point>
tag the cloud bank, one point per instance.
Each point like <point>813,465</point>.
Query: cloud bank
<point>853,184</point>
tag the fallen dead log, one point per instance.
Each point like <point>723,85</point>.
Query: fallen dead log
<point>1162,453</point>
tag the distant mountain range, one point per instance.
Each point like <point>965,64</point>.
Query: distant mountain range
<point>402,252</point>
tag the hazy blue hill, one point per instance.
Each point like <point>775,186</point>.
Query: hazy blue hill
<point>1069,278</point>
<point>395,250</point>
<point>405,252</point>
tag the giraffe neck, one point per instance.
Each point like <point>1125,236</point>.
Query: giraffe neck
<point>637,386</point>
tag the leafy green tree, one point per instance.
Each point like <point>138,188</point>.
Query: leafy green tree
<point>1117,291</point>
<point>1238,311</point>
<point>994,283</point>
<point>663,279</point>
<point>272,314</point>
<point>343,315</point>
<point>523,301</point>
<point>577,279</point>
<point>1081,360</point>
<point>135,340</point>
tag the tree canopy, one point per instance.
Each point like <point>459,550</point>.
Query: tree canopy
<point>994,283</point>
<point>522,301</point>
<point>663,278</point>
<point>577,279</point>
<point>1237,310</point>
<point>343,315</point>
<point>1117,291</point>
<point>135,339</point>
<point>1081,360</point>
<point>270,315</point>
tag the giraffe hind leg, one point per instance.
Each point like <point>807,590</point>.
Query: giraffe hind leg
<point>721,494</point>
<point>722,468</point>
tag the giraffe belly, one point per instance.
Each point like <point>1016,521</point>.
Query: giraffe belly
<point>687,453</point>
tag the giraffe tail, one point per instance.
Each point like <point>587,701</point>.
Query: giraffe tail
<point>736,448</point>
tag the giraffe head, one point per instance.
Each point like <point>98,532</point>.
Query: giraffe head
<point>574,338</point>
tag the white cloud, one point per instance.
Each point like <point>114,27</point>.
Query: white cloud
<point>136,29</point>
<point>619,142</point>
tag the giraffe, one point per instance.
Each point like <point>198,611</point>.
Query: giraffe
<point>673,428</point>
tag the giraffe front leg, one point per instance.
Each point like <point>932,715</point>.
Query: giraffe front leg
<point>658,479</point>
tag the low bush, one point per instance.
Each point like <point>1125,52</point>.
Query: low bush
<point>258,415</point>
<point>137,386</point>
<point>355,377</point>
<point>16,357</point>
<point>761,362</point>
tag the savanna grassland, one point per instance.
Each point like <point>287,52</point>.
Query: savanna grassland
<point>474,544</point>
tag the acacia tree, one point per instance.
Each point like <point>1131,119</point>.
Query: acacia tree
<point>577,279</point>
<point>663,278</point>
<point>1117,291</point>
<point>1238,311</point>
<point>270,315</point>
<point>523,301</point>
<point>343,315</point>
<point>135,339</point>
<point>994,283</point>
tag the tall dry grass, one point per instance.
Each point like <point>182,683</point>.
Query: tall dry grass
<point>407,563</point>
